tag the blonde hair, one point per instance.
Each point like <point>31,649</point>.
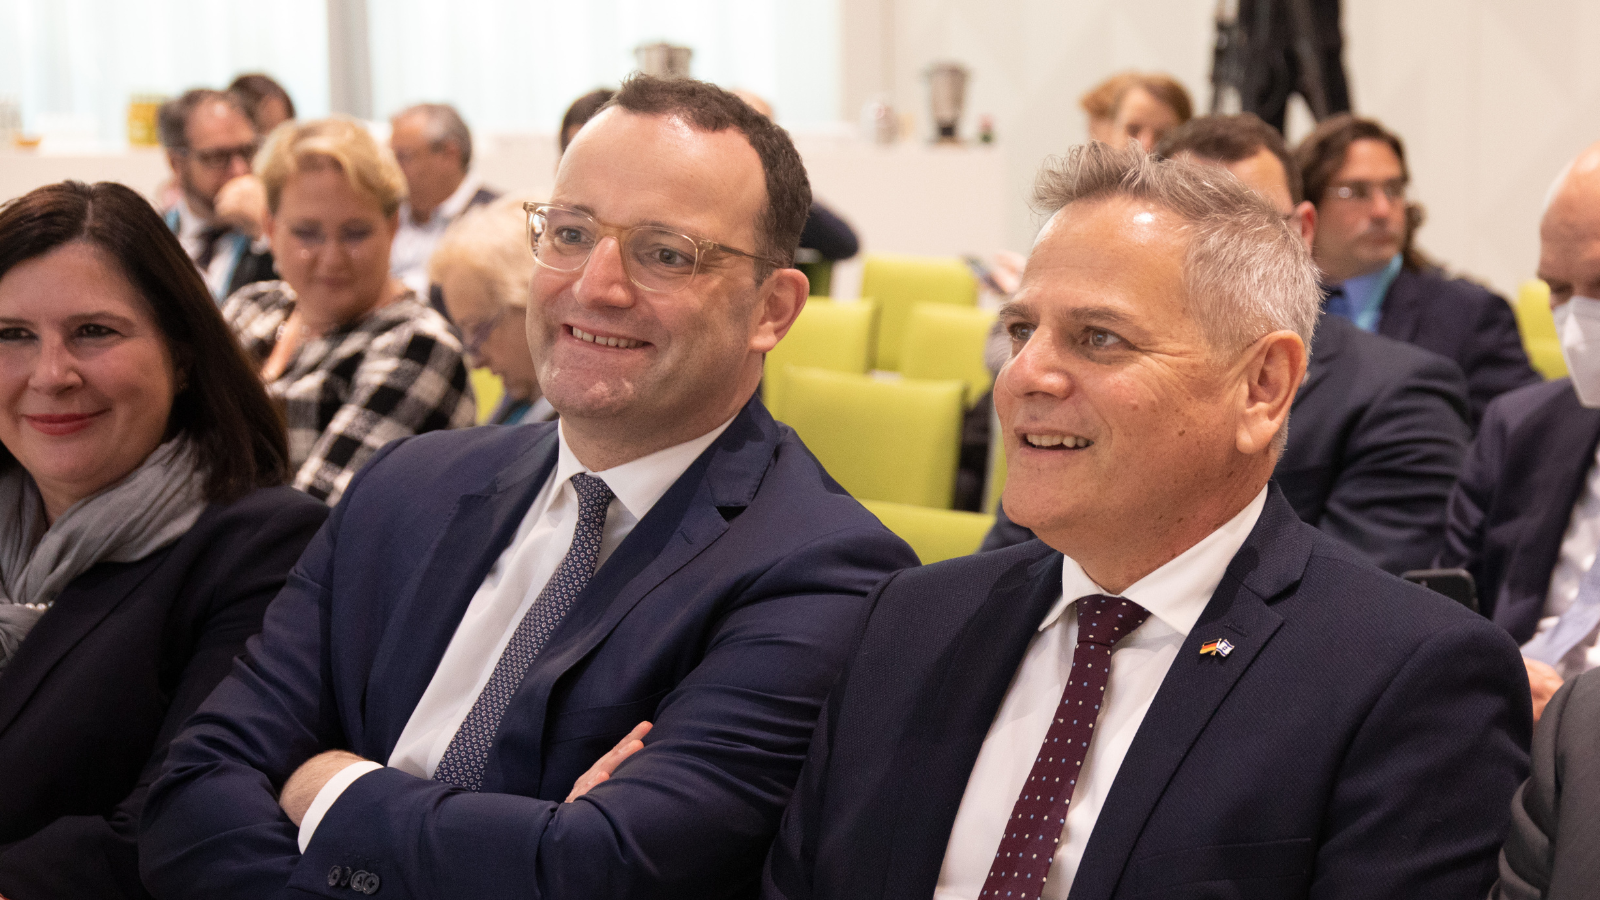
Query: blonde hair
<point>489,244</point>
<point>339,142</point>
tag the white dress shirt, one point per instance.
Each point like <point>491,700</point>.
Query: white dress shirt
<point>1175,594</point>
<point>513,583</point>
<point>1579,546</point>
<point>414,242</point>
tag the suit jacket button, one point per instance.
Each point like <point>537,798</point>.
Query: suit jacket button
<point>372,883</point>
<point>333,877</point>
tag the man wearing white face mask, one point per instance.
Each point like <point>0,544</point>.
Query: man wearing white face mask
<point>1525,517</point>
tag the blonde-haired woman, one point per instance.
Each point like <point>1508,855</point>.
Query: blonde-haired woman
<point>355,358</point>
<point>483,270</point>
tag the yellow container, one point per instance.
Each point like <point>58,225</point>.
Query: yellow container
<point>143,111</point>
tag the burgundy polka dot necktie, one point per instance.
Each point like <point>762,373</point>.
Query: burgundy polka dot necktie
<point>1037,819</point>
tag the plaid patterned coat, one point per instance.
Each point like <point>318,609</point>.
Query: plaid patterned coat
<point>397,371</point>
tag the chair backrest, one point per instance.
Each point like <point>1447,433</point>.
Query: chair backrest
<point>881,440</point>
<point>1538,329</point>
<point>826,335</point>
<point>900,282</point>
<point>935,534</point>
<point>946,342</point>
<point>487,390</point>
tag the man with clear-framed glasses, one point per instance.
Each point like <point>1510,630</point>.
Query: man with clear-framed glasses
<point>576,659</point>
<point>210,142</point>
<point>1356,175</point>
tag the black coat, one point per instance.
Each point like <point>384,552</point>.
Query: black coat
<point>1462,321</point>
<point>104,680</point>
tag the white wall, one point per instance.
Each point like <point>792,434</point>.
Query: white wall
<point>1491,96</point>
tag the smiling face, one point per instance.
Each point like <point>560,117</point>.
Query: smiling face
<point>1120,420</point>
<point>86,379</point>
<point>1359,236</point>
<point>633,371</point>
<point>331,244</point>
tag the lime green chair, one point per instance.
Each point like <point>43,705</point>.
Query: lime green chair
<point>1538,329</point>
<point>826,335</point>
<point>487,391</point>
<point>946,342</point>
<point>935,534</point>
<point>996,482</point>
<point>900,282</point>
<point>882,440</point>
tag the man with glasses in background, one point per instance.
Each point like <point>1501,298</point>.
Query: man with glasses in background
<point>210,141</point>
<point>637,610</point>
<point>1355,173</point>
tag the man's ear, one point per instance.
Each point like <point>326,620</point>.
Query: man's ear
<point>783,295</point>
<point>1307,215</point>
<point>1273,369</point>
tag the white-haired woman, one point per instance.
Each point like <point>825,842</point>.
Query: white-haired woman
<point>484,270</point>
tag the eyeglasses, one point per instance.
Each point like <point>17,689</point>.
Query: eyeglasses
<point>1394,190</point>
<point>356,242</point>
<point>221,157</point>
<point>473,337</point>
<point>656,259</point>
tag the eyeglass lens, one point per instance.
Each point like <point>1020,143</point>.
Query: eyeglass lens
<point>1393,190</point>
<point>221,156</point>
<point>655,259</point>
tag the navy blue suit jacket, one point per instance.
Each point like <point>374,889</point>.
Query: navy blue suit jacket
<point>1361,740</point>
<point>1510,509</point>
<point>1464,322</point>
<point>1376,437</point>
<point>724,617</point>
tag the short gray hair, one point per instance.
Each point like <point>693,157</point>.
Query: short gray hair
<point>443,125</point>
<point>1249,274</point>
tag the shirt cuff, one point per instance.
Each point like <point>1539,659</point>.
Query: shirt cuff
<point>329,793</point>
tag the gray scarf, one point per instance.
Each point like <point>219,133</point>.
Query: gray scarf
<point>145,511</point>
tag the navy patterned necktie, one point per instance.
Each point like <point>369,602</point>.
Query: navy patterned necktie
<point>463,761</point>
<point>1040,813</point>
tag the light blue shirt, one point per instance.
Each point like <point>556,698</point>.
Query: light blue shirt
<point>1360,299</point>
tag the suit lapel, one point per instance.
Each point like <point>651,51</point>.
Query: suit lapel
<point>1566,434</point>
<point>681,525</point>
<point>1271,561</point>
<point>947,727</point>
<point>1325,345</point>
<point>77,612</point>
<point>479,530</point>
<point>1401,315</point>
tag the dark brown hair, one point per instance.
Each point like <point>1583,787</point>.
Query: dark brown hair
<point>580,112</point>
<point>254,88</point>
<point>172,119</point>
<point>710,108</point>
<point>1321,154</point>
<point>1231,139</point>
<point>221,405</point>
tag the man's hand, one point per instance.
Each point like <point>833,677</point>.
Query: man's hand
<point>607,764</point>
<point>242,203</point>
<point>1543,681</point>
<point>307,781</point>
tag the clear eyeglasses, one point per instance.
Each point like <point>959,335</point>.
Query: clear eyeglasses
<point>654,258</point>
<point>1393,190</point>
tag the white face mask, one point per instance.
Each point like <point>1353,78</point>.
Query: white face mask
<point>1578,326</point>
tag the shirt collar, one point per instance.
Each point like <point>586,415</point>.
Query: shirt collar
<point>190,224</point>
<point>1365,293</point>
<point>453,205</point>
<point>1176,593</point>
<point>637,485</point>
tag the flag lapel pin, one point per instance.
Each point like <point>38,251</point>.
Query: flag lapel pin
<point>1219,648</point>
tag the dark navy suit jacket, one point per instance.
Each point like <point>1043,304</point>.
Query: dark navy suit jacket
<point>1510,510</point>
<point>1361,740</point>
<point>1376,438</point>
<point>1464,322</point>
<point>724,617</point>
